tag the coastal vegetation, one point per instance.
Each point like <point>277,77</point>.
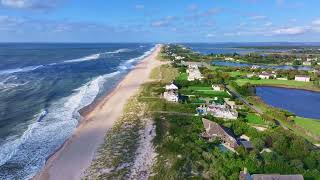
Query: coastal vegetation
<point>182,153</point>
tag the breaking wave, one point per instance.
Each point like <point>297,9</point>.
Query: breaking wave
<point>96,56</point>
<point>16,70</point>
<point>52,126</point>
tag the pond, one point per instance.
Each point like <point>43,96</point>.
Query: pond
<point>238,64</point>
<point>300,102</point>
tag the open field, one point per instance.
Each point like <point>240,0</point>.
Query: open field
<point>302,126</point>
<point>205,91</point>
<point>312,125</point>
<point>237,73</point>
<point>255,119</point>
<point>280,83</point>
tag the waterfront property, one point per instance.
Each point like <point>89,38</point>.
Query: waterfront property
<point>302,78</point>
<point>171,93</point>
<point>194,73</point>
<point>217,88</point>
<point>267,75</point>
<point>245,175</point>
<point>224,111</point>
<point>215,131</point>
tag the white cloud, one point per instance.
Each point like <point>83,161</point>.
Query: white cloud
<point>258,17</point>
<point>30,4</point>
<point>211,35</point>
<point>139,6</point>
<point>192,7</point>
<point>160,23</point>
<point>290,31</point>
<point>316,22</point>
<point>268,24</point>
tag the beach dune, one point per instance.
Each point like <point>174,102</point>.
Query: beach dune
<point>75,156</point>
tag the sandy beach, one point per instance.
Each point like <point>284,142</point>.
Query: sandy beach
<point>69,162</point>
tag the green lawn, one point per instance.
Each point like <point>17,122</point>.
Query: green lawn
<point>203,91</point>
<point>311,125</point>
<point>182,77</point>
<point>255,119</point>
<point>286,83</point>
<point>237,73</point>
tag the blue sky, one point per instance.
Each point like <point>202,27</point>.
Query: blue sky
<point>159,21</point>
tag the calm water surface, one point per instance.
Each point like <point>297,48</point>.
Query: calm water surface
<point>300,102</point>
<point>238,64</point>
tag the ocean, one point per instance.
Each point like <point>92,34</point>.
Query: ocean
<point>43,87</point>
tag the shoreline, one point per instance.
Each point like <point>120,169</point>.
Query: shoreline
<point>76,154</point>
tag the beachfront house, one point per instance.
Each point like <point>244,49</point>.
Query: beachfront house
<point>245,142</point>
<point>245,175</point>
<point>217,88</point>
<point>310,59</point>
<point>230,104</point>
<point>171,93</point>
<point>266,75</point>
<point>302,78</point>
<point>179,57</point>
<point>215,131</point>
<point>193,72</point>
<point>229,59</point>
<point>218,110</point>
<point>307,63</point>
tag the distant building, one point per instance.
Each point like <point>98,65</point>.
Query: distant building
<point>217,88</point>
<point>255,67</point>
<point>245,142</point>
<point>312,59</point>
<point>213,130</point>
<point>307,63</point>
<point>302,78</point>
<point>179,57</point>
<point>171,93</point>
<point>218,110</point>
<point>194,73</point>
<point>229,59</point>
<point>266,75</point>
<point>229,103</point>
<point>245,175</point>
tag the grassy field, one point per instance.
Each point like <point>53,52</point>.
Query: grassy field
<point>182,77</point>
<point>237,73</point>
<point>205,91</point>
<point>302,126</point>
<point>255,119</point>
<point>280,83</point>
<point>312,125</point>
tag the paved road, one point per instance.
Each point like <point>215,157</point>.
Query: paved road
<point>235,93</point>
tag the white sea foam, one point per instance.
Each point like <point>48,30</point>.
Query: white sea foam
<point>51,128</point>
<point>24,69</point>
<point>96,56</point>
<point>9,82</point>
<point>129,64</point>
